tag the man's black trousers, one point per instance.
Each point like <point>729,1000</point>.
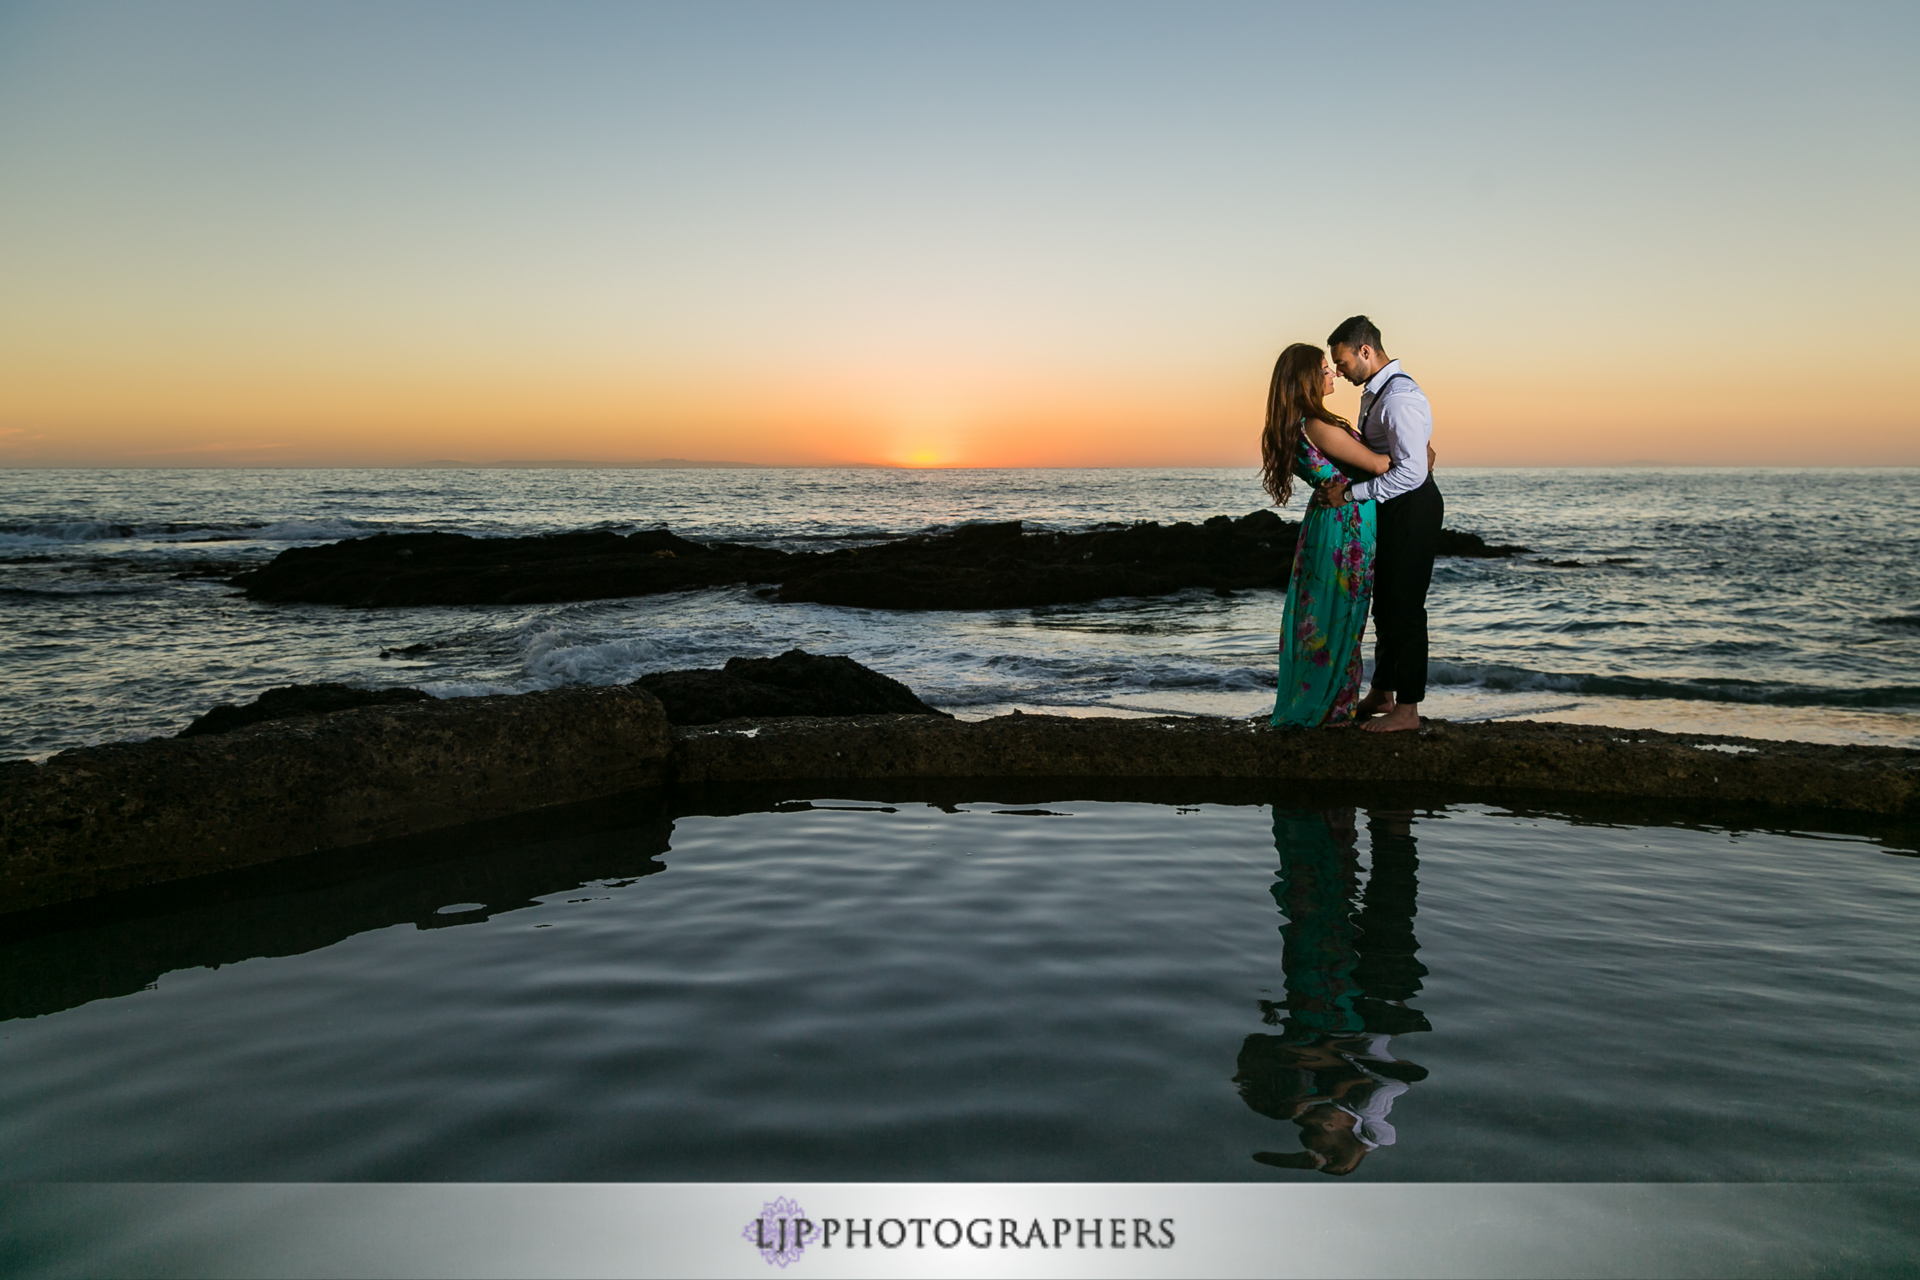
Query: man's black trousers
<point>1407,533</point>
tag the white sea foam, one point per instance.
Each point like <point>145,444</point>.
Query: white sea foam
<point>555,656</point>
<point>60,533</point>
<point>1731,623</point>
<point>1704,689</point>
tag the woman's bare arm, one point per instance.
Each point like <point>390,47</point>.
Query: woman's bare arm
<point>1339,445</point>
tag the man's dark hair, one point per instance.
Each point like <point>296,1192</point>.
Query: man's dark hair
<point>1356,332</point>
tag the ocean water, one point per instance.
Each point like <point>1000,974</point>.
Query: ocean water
<point>1773,603</point>
<point>999,988</point>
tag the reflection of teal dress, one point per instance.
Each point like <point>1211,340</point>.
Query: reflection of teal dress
<point>1318,871</point>
<point>1349,971</point>
<point>1327,597</point>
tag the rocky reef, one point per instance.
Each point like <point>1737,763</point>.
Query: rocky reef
<point>989,566</point>
<point>796,683</point>
<point>135,813</point>
<point>108,818</point>
<point>1459,760</point>
<point>296,700</point>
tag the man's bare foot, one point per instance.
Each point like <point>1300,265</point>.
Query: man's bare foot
<point>1403,717</point>
<point>1374,703</point>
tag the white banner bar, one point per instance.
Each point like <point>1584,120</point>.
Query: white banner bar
<point>955,1229</point>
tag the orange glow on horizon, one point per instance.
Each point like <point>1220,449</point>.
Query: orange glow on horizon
<point>112,417</point>
<point>214,397</point>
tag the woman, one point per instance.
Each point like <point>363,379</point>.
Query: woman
<point>1332,581</point>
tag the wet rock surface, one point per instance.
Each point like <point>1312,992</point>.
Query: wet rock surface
<point>1460,760</point>
<point>796,683</point>
<point>392,569</point>
<point>296,700</point>
<point>990,566</point>
<point>92,821</point>
<point>137,813</point>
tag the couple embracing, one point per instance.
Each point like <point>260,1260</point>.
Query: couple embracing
<point>1368,538</point>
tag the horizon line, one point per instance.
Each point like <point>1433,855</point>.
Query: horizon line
<point>678,464</point>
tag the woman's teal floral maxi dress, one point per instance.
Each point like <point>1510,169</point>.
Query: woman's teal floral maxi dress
<point>1327,600</point>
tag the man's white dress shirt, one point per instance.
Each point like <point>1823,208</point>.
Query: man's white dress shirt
<point>1398,423</point>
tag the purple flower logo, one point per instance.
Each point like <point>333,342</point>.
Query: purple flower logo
<point>780,1232</point>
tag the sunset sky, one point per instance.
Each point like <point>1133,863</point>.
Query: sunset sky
<point>970,235</point>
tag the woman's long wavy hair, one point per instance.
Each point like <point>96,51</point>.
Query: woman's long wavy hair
<point>1293,396</point>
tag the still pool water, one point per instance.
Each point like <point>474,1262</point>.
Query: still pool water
<point>997,988</point>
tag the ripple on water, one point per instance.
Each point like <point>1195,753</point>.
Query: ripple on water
<point>1012,990</point>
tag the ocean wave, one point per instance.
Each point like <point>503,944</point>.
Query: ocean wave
<point>53,533</point>
<point>68,591</point>
<point>1236,680</point>
<point>831,535</point>
<point>968,679</point>
<point>552,657</point>
<point>327,529</point>
<point>1606,624</point>
<point>1753,692</point>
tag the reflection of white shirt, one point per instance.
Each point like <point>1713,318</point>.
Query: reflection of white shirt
<point>1398,423</point>
<point>1370,1112</point>
<point>1375,1100</point>
<point>1375,1047</point>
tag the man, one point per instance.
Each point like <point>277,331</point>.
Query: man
<point>1396,420</point>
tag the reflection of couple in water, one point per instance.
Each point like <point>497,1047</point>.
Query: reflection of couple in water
<point>1350,970</point>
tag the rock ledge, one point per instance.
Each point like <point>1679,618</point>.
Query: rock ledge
<point>1572,759</point>
<point>106,818</point>
<point>135,813</point>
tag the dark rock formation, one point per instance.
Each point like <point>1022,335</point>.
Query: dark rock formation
<point>999,566</point>
<point>454,568</point>
<point>995,566</point>
<point>136,813</point>
<point>1474,547</point>
<point>297,700</point>
<point>796,683</point>
<point>116,817</point>
<point>1460,759</point>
